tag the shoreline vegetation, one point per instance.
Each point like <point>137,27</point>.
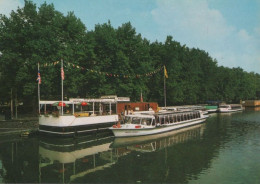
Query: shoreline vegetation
<point>106,61</point>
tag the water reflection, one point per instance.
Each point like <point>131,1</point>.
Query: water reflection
<point>160,140</point>
<point>19,161</point>
<point>79,161</point>
<point>157,158</point>
<point>195,154</point>
<point>67,161</point>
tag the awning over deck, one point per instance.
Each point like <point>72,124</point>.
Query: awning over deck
<point>88,100</point>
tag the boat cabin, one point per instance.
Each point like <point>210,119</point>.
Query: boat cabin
<point>125,108</point>
<point>147,120</point>
<point>161,118</point>
<point>82,107</point>
<point>166,118</point>
<point>231,106</point>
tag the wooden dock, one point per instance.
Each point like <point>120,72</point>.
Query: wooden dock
<point>252,103</point>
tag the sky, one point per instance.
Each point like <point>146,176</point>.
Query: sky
<point>229,30</point>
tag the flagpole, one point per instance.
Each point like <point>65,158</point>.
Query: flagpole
<point>164,81</point>
<point>141,98</point>
<point>164,91</point>
<point>39,105</point>
<point>62,88</point>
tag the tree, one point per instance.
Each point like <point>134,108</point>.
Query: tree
<point>107,61</point>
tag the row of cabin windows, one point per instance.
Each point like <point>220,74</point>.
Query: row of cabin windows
<point>143,121</point>
<point>173,118</point>
<point>165,119</point>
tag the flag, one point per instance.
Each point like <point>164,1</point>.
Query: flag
<point>39,77</point>
<point>62,73</point>
<point>165,72</point>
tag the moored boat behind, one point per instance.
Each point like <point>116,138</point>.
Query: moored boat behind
<point>230,108</point>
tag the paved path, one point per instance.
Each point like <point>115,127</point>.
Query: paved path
<point>18,126</point>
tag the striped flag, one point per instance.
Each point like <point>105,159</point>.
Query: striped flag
<point>62,73</point>
<point>39,79</point>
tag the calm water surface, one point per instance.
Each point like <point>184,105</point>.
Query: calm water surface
<point>225,149</point>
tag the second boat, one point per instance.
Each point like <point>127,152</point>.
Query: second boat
<point>147,124</point>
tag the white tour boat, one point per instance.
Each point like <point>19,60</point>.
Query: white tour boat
<point>78,116</point>
<point>148,124</point>
<point>230,108</point>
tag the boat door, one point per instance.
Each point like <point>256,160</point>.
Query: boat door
<point>127,109</point>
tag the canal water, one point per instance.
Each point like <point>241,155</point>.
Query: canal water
<point>225,149</point>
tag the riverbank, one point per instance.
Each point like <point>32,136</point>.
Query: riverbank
<point>20,126</point>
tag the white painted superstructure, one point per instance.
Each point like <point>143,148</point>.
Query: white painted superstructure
<point>79,116</point>
<point>148,124</point>
<point>230,108</point>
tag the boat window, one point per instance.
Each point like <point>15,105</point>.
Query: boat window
<point>178,118</point>
<point>157,119</point>
<point>224,106</point>
<point>171,118</point>
<point>153,122</point>
<point>166,119</point>
<point>197,115</point>
<point>190,116</point>
<point>136,120</point>
<point>174,118</point>
<point>146,121</point>
<point>161,120</point>
<point>185,117</point>
<point>236,107</point>
<point>127,120</point>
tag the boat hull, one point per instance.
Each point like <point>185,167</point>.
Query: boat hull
<point>120,132</point>
<point>228,110</point>
<point>212,110</point>
<point>71,126</point>
<point>128,141</point>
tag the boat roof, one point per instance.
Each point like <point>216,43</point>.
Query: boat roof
<point>141,115</point>
<point>149,115</point>
<point>178,111</point>
<point>78,100</point>
<point>184,107</point>
<point>231,104</point>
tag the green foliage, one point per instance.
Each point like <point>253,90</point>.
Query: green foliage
<point>43,35</point>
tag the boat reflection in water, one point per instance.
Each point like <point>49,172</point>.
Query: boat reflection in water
<point>159,141</point>
<point>64,162</point>
<point>74,161</point>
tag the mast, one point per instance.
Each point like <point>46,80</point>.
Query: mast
<point>164,81</point>
<point>11,104</point>
<point>39,82</point>
<point>141,97</point>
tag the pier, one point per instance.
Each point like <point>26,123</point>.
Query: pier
<point>252,103</point>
